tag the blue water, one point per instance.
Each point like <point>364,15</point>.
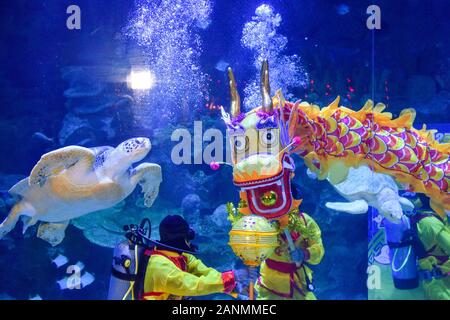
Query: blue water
<point>64,87</point>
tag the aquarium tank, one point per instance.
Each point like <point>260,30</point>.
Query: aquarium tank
<point>224,150</point>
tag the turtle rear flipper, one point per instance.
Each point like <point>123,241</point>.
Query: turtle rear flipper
<point>28,222</point>
<point>53,233</point>
<point>54,162</point>
<point>10,221</point>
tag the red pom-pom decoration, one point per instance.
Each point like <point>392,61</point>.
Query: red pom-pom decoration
<point>214,165</point>
<point>296,140</point>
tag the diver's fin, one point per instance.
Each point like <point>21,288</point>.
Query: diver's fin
<point>20,187</point>
<point>354,207</point>
<point>53,233</point>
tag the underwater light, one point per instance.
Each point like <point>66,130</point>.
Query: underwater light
<point>141,79</point>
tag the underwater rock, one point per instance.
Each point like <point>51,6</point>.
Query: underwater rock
<point>92,106</point>
<point>73,125</point>
<point>91,81</point>
<point>197,182</point>
<point>105,227</point>
<point>82,82</point>
<point>190,203</point>
<point>219,218</point>
<point>213,224</point>
<point>86,131</point>
<point>190,206</point>
<point>212,239</point>
<point>96,99</point>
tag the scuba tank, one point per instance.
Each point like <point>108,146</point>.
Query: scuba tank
<point>402,253</point>
<point>126,257</point>
<point>123,272</point>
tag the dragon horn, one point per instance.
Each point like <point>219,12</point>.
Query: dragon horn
<point>265,87</point>
<point>235,109</point>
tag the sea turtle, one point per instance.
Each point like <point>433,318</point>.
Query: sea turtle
<point>363,188</point>
<point>73,181</point>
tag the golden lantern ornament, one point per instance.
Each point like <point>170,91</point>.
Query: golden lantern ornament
<point>253,239</point>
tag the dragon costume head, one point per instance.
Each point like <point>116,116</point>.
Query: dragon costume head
<point>260,144</point>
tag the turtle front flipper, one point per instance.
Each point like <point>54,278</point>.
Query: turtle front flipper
<point>55,161</point>
<point>354,207</point>
<point>149,177</point>
<point>53,233</point>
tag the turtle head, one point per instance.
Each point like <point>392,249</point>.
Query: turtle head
<point>129,152</point>
<point>135,149</point>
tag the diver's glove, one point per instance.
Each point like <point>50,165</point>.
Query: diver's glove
<point>297,256</point>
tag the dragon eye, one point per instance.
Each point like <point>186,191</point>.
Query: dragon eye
<point>240,143</point>
<point>268,137</point>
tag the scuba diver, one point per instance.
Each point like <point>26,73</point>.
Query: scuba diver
<point>164,269</point>
<point>426,237</point>
<point>285,274</point>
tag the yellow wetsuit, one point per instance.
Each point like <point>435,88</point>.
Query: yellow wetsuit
<point>170,275</point>
<point>279,277</point>
<point>435,236</point>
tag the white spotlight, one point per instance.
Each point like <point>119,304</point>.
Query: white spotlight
<point>141,79</point>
